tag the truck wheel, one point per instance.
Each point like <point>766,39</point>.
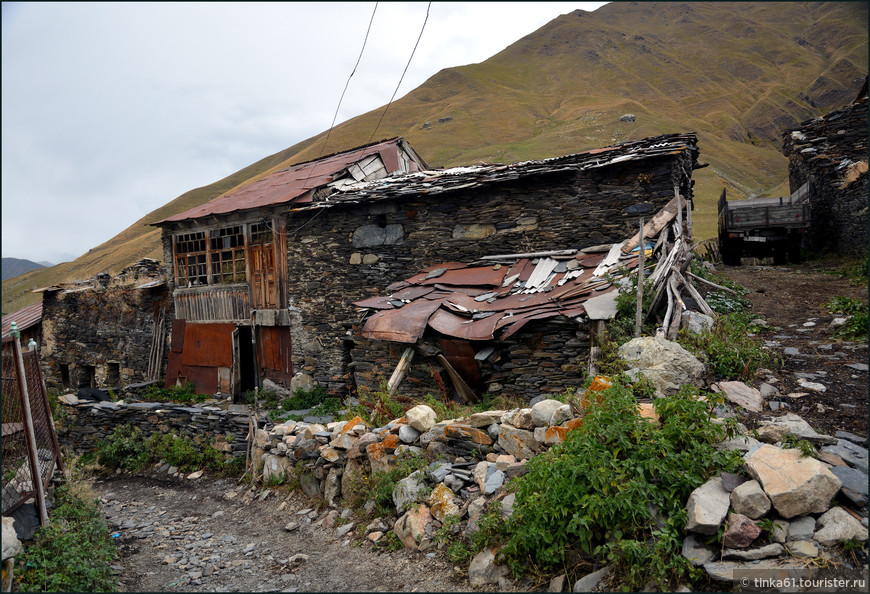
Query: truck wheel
<point>730,255</point>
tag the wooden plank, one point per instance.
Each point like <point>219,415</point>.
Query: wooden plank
<point>465,393</point>
<point>401,370</point>
<point>655,224</point>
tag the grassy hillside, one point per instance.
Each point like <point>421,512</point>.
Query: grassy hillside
<point>738,74</point>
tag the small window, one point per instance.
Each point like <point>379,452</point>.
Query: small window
<point>261,233</point>
<point>190,258</point>
<point>227,248</point>
<point>64,376</point>
<point>87,376</point>
<point>113,375</point>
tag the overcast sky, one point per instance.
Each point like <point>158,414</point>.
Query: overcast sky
<point>110,110</point>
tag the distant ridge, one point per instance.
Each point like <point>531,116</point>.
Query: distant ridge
<point>737,73</point>
<point>13,267</point>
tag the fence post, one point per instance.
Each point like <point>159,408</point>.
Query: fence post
<point>30,434</point>
<point>640,278</point>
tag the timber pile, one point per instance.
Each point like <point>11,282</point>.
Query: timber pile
<point>671,278</point>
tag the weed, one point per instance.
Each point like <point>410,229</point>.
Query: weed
<point>855,327</point>
<point>185,394</point>
<point>72,553</point>
<point>807,450</point>
<point>125,448</point>
<point>389,542</point>
<point>592,494</point>
<point>458,552</point>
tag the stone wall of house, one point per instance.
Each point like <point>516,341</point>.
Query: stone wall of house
<point>104,333</point>
<point>353,252</point>
<point>828,152</point>
<point>84,425</point>
<point>543,358</point>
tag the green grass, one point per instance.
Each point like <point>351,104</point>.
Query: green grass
<point>72,553</point>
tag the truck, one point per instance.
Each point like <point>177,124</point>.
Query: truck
<point>764,227</point>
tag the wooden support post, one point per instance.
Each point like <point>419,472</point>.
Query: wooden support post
<point>401,370</point>
<point>679,307</point>
<point>30,433</point>
<point>679,209</point>
<point>707,310</point>
<point>640,276</point>
<point>714,285</point>
<point>466,394</point>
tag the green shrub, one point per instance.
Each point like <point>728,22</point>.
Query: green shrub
<point>72,553</point>
<point>185,394</point>
<point>594,493</point>
<point>125,448</point>
<point>728,349</point>
<point>380,484</point>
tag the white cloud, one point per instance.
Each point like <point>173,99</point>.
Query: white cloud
<point>111,110</point>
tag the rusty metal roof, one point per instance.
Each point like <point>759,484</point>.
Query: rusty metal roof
<point>296,182</point>
<point>490,300</point>
<point>23,318</point>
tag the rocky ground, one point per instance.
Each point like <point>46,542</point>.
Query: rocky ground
<point>202,535</point>
<point>823,380</point>
<point>205,535</point>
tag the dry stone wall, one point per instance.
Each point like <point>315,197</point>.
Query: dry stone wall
<point>83,425</point>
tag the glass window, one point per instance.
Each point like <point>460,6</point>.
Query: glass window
<point>190,257</point>
<point>227,248</point>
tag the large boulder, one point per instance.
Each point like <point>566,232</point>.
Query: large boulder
<point>542,412</point>
<point>408,490</point>
<point>483,569</point>
<point>11,545</point>
<point>421,417</point>
<point>707,507</point>
<point>666,364</point>
<point>791,423</point>
<point>796,485</point>
<point>521,444</point>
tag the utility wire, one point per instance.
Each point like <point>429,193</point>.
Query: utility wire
<point>334,117</point>
<point>403,73</point>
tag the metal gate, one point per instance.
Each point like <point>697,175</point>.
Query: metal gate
<point>29,442</point>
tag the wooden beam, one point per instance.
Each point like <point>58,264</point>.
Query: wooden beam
<point>401,370</point>
<point>466,394</point>
<point>657,223</point>
<point>714,285</point>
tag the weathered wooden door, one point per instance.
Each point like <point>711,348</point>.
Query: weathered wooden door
<point>263,285</point>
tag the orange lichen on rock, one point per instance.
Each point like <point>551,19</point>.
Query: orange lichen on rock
<point>467,432</point>
<point>351,424</point>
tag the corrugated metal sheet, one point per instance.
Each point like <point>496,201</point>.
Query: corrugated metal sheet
<point>483,302</point>
<point>24,318</point>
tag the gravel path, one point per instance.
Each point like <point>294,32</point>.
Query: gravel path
<point>205,536</point>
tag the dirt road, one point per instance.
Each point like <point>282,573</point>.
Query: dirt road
<point>179,535</point>
<point>794,299</point>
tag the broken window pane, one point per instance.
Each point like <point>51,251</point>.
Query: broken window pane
<point>227,248</point>
<point>190,252</point>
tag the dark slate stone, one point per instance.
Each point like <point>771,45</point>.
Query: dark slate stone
<point>369,236</point>
<point>639,208</point>
<point>732,481</point>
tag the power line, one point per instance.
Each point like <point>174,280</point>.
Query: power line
<point>403,73</point>
<point>334,117</point>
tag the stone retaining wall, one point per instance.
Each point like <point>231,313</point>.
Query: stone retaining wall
<point>86,424</point>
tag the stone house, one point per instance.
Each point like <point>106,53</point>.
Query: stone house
<point>830,154</point>
<point>264,279</point>
<point>106,332</point>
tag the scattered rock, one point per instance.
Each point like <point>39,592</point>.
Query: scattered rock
<point>802,548</point>
<point>743,395</point>
<point>741,532</point>
<point>421,417</point>
<point>411,528</point>
<point>542,412</point>
<point>854,455</point>
<point>838,525</point>
<point>591,581</point>
<point>749,500</point>
<point>854,484</point>
<point>697,552</point>
<point>795,485</point>
<point>408,490</point>
<point>519,443</point>
<point>765,552</point>
<point>802,528</point>
<point>483,569</point>
<point>707,507</point>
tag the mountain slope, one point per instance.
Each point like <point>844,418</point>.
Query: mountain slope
<point>736,73</point>
<point>13,267</point>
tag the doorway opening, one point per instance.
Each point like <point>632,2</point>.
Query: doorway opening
<point>247,364</point>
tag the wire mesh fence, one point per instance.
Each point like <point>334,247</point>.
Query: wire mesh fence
<point>24,458</point>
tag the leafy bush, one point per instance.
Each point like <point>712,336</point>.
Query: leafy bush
<point>72,553</point>
<point>378,487</point>
<point>128,449</point>
<point>125,448</point>
<point>595,494</point>
<point>185,394</point>
<point>728,349</point>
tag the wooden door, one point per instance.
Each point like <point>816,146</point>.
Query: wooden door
<point>263,286</point>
